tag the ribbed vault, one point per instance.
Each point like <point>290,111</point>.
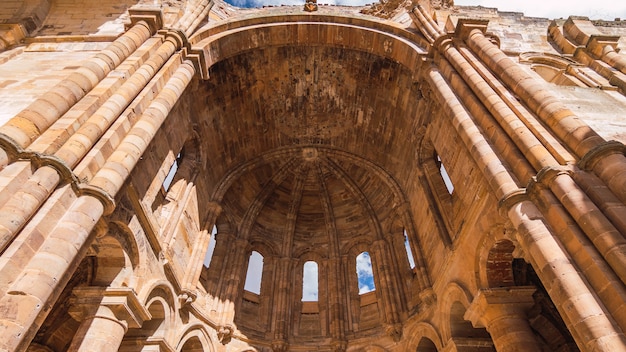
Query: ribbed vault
<point>307,196</point>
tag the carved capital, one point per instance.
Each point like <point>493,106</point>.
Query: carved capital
<point>491,304</point>
<point>119,304</point>
<point>280,346</point>
<point>588,160</point>
<point>150,15</point>
<point>225,333</point>
<point>465,26</point>
<point>394,331</point>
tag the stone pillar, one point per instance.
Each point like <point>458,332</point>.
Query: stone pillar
<point>282,303</point>
<point>590,326</point>
<point>382,262</point>
<point>230,283</point>
<point>502,311</point>
<point>336,299</point>
<point>584,315</point>
<point>43,277</point>
<point>27,125</point>
<point>105,315</point>
<point>196,261</point>
<point>572,131</point>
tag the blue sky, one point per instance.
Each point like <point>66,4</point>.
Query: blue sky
<point>597,9</point>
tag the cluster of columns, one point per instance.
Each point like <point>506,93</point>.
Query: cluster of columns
<point>540,183</point>
<point>49,216</point>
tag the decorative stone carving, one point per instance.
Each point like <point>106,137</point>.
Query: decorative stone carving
<point>310,6</point>
<point>225,333</point>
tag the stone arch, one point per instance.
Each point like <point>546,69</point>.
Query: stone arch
<point>426,345</point>
<point>423,332</point>
<point>441,201</point>
<point>195,339</point>
<point>455,328</point>
<point>454,293</point>
<point>557,69</point>
<point>117,257</point>
<point>496,249</point>
<point>160,301</point>
<point>374,37</point>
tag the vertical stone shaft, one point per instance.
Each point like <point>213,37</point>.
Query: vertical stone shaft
<point>30,123</point>
<point>230,283</point>
<point>100,332</point>
<point>606,237</point>
<point>25,201</point>
<point>48,271</point>
<point>114,172</point>
<point>90,132</point>
<point>196,261</point>
<point>282,305</point>
<point>496,175</point>
<point>584,316</point>
<point>520,166</point>
<point>568,290</point>
<point>502,311</point>
<point>532,149</point>
<point>382,263</point>
<point>577,135</point>
<point>602,278</point>
<point>23,204</point>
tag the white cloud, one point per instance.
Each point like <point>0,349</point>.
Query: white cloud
<point>598,9</point>
<point>310,282</point>
<point>364,273</point>
<point>254,274</point>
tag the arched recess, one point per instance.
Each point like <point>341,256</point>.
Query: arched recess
<point>252,310</point>
<point>434,186</point>
<point>288,153</point>
<point>311,315</point>
<point>116,257</point>
<point>455,329</point>
<point>362,305</point>
<point>179,169</point>
<point>195,339</point>
<point>424,337</point>
<point>249,34</point>
<point>561,70</point>
<point>161,305</point>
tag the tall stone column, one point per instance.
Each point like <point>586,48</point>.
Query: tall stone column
<point>230,283</point>
<point>502,311</point>
<point>282,302</point>
<point>27,125</point>
<point>382,261</point>
<point>105,315</point>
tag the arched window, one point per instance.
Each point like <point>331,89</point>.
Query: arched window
<point>409,252</point>
<point>445,176</point>
<point>364,273</point>
<point>255,272</point>
<point>172,172</point>
<point>309,282</point>
<point>211,248</point>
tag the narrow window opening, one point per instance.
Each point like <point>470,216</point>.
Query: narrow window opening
<point>310,282</point>
<point>365,275</point>
<point>445,176</point>
<point>211,248</point>
<point>167,183</point>
<point>409,253</point>
<point>255,272</point>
